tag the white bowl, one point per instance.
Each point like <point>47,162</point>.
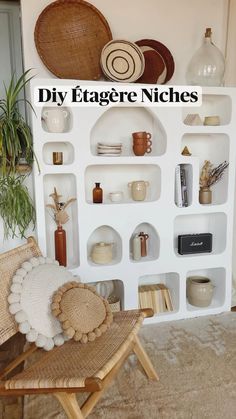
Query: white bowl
<point>116,196</point>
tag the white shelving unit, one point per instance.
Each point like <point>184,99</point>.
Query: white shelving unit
<point>158,215</point>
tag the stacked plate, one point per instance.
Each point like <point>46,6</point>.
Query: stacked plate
<point>109,149</point>
<point>122,61</point>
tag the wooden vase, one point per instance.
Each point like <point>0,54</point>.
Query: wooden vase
<point>60,245</point>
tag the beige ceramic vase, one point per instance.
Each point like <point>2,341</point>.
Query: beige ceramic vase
<point>138,189</point>
<point>199,291</point>
<point>205,196</point>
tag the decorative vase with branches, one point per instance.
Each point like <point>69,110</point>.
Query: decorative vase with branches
<point>60,217</point>
<point>209,176</point>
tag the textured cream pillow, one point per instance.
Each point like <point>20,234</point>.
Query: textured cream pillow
<point>83,314</point>
<point>33,286</point>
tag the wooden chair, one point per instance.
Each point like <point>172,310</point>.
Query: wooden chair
<point>73,367</point>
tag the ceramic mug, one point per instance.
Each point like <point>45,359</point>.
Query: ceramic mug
<point>140,148</point>
<point>138,189</point>
<point>55,119</point>
<point>141,134</point>
<point>141,143</point>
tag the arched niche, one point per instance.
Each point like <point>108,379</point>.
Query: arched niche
<point>152,243</point>
<point>117,124</point>
<point>105,234</point>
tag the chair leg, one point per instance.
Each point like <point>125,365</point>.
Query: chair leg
<point>144,359</point>
<point>70,405</point>
<point>92,400</point>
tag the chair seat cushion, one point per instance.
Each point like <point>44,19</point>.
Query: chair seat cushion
<point>31,294</point>
<point>69,365</point>
<point>83,314</point>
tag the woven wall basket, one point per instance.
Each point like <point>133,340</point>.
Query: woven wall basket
<point>69,37</point>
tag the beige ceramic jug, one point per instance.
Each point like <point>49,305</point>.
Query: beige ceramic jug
<point>138,189</point>
<point>55,119</point>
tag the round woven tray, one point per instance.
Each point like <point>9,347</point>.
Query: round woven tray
<point>163,51</point>
<point>69,37</point>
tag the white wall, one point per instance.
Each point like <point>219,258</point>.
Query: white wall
<point>179,24</point>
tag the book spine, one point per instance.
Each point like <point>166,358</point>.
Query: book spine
<point>178,192</point>
<point>184,192</point>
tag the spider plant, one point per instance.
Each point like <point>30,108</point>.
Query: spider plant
<point>16,206</point>
<point>15,134</point>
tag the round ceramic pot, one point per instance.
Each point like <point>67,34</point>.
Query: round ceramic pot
<point>138,189</point>
<point>102,253</point>
<point>205,196</point>
<point>199,291</point>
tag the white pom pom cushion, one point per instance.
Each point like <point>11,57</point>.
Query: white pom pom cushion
<point>84,315</point>
<point>32,288</point>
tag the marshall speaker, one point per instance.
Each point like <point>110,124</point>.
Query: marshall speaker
<point>194,243</point>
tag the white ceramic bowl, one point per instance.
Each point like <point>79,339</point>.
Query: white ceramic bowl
<point>116,196</point>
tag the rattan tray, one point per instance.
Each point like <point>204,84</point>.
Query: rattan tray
<point>69,37</point>
<point>164,52</point>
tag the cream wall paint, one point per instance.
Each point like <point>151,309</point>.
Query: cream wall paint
<point>180,24</point>
<point>230,75</point>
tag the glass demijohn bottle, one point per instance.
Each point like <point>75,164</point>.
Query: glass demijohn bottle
<point>206,68</point>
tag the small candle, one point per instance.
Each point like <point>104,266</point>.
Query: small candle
<point>57,157</point>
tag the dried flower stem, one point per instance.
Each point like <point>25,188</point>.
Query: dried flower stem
<point>209,175</point>
<point>58,208</point>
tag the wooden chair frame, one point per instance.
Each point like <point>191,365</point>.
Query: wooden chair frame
<point>93,385</point>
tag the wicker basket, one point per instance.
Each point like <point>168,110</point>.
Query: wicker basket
<point>114,303</point>
<point>69,37</point>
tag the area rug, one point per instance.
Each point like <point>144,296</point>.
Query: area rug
<point>196,363</point>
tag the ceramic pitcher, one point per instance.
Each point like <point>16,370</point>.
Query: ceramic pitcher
<point>138,189</point>
<point>55,119</point>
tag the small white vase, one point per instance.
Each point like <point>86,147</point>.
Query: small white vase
<point>55,119</point>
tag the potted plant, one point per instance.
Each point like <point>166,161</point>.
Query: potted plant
<point>16,143</point>
<point>209,176</point>
<point>16,206</point>
<point>15,135</point>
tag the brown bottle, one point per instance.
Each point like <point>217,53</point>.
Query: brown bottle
<point>97,194</point>
<point>60,245</point>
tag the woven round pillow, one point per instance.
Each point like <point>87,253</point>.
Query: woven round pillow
<point>32,288</point>
<point>83,314</point>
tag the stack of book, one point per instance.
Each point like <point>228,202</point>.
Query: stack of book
<point>181,193</point>
<point>155,296</point>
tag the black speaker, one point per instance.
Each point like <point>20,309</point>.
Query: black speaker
<point>194,243</point>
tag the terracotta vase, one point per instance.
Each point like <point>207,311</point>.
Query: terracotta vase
<point>60,245</point>
<point>205,196</point>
